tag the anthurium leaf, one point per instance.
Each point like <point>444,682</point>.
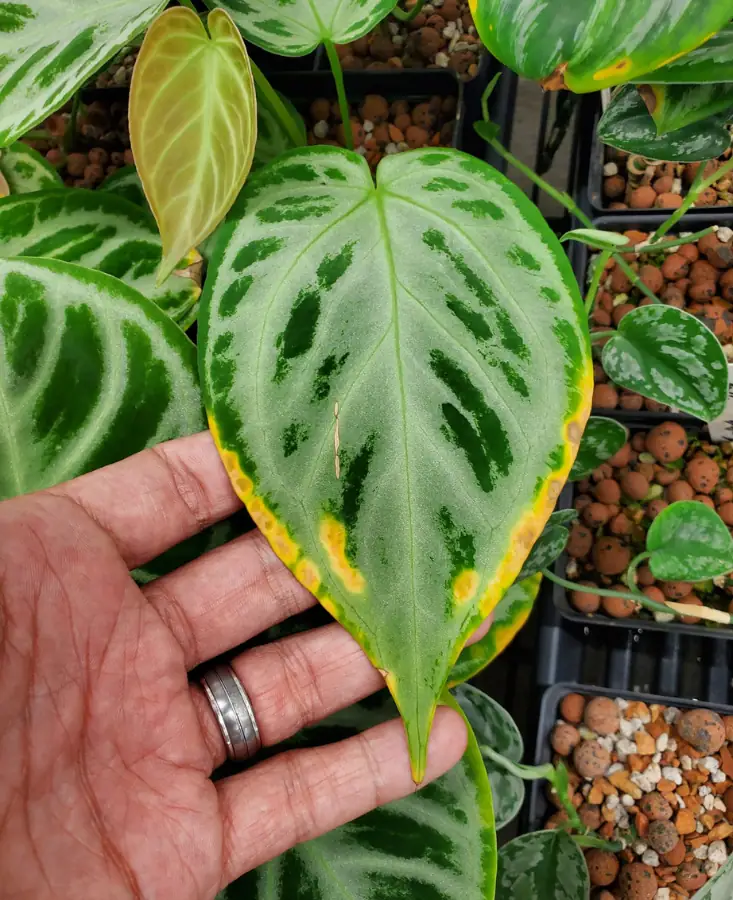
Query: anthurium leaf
<point>675,106</point>
<point>25,170</point>
<point>297,27</point>
<point>493,725</point>
<point>280,126</point>
<point>711,62</point>
<point>594,237</point>
<point>688,541</point>
<point>439,843</point>
<point>90,372</point>
<point>546,864</point>
<point>396,377</point>
<point>125,183</point>
<point>627,125</point>
<point>49,50</point>
<point>595,44</point>
<point>193,125</point>
<point>99,231</point>
<point>720,886</point>
<point>667,354</point>
<point>510,617</point>
<point>601,439</point>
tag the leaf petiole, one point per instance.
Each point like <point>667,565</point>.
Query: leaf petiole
<point>600,266</point>
<point>407,15</point>
<point>338,77</point>
<point>699,185</point>
<point>592,840</point>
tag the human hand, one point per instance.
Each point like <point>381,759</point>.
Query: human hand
<point>106,749</point>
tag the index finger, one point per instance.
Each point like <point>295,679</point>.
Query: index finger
<point>157,498</point>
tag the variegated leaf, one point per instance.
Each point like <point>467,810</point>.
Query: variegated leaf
<point>99,231</point>
<point>493,726</point>
<point>666,354</point>
<point>90,372</point>
<point>602,438</point>
<point>296,27</point>
<point>595,238</point>
<point>675,106</point>
<point>545,551</point>
<point>48,49</point>
<point>439,843</point>
<point>510,616</point>
<point>720,886</point>
<point>397,379</point>
<point>688,541</point>
<point>126,183</point>
<point>193,125</point>
<point>25,170</point>
<point>711,63</point>
<point>596,43</point>
<point>547,865</point>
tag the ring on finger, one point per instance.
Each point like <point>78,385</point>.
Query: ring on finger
<point>233,711</point>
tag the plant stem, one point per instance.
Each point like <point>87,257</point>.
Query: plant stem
<point>488,91</point>
<point>634,278</point>
<point>590,297</point>
<point>592,840</point>
<point>38,134</point>
<point>698,186</point>
<point>675,242</point>
<point>630,576</point>
<point>189,4</point>
<point>273,98</point>
<point>338,77</point>
<point>526,773</point>
<point>409,14</point>
<point>70,132</point>
<point>602,335</point>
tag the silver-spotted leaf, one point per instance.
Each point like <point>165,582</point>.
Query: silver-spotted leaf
<point>548,546</point>
<point>586,46</point>
<point>99,231</point>
<point>49,49</point>
<point>628,125</point>
<point>711,62</point>
<point>720,886</point>
<point>563,516</point>
<point>90,372</point>
<point>493,726</point>
<point>397,378</point>
<point>675,106</point>
<point>688,541</point>
<point>601,439</point>
<point>280,126</point>
<point>510,616</point>
<point>25,170</point>
<point>126,183</point>
<point>594,237</point>
<point>546,864</point>
<point>297,27</point>
<point>439,843</point>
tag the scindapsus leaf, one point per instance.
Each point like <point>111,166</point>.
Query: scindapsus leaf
<point>126,183</point>
<point>668,355</point>
<point>546,864</point>
<point>48,50</point>
<point>594,237</point>
<point>688,541</point>
<point>710,63</point>
<point>397,378</point>
<point>675,106</point>
<point>594,44</point>
<point>439,843</point>
<point>510,616</point>
<point>297,27</point>
<point>193,125</point>
<point>601,439</point>
<point>25,170</point>
<point>548,546</point>
<point>90,372</point>
<point>627,125</point>
<point>99,231</point>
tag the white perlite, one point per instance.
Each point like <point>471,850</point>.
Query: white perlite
<point>639,848</point>
<point>622,704</point>
<point>606,742</point>
<point>613,768</point>
<point>701,852</point>
<point>626,728</point>
<point>718,777</point>
<point>710,868</point>
<point>672,774</point>
<point>610,169</point>
<point>643,781</point>
<point>704,790</point>
<point>625,748</point>
<point>320,129</point>
<point>709,802</point>
<point>671,714</point>
<point>613,801</point>
<point>686,763</point>
<point>627,800</point>
<point>662,894</point>
<point>717,852</point>
<point>712,765</point>
<point>651,858</point>
<point>725,234</point>
<point>662,742</point>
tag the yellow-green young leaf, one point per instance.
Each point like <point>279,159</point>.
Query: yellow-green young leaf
<point>193,125</point>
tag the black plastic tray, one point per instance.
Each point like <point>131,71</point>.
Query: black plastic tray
<point>539,807</point>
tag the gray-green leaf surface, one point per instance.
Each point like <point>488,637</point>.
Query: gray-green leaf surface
<point>545,865</point>
<point>688,541</point>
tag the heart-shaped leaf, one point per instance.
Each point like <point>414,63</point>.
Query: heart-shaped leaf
<point>397,378</point>
<point>601,439</point>
<point>546,550</point>
<point>193,125</point>
<point>99,231</point>
<point>25,170</point>
<point>280,126</point>
<point>90,372</point>
<point>546,864</point>
<point>594,44</point>
<point>712,62</point>
<point>297,27</point>
<point>49,50</point>
<point>493,725</point>
<point>126,183</point>
<point>627,125</point>
<point>510,617</point>
<point>720,886</point>
<point>594,237</point>
<point>437,843</point>
<point>668,355</point>
<point>675,106</point>
<point>688,541</point>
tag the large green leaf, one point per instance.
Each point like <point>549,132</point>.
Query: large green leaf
<point>25,170</point>
<point>48,49</point>
<point>688,541</point>
<point>602,438</point>
<point>437,844</point>
<point>90,372</point>
<point>667,354</point>
<point>720,886</point>
<point>712,62</point>
<point>510,617</point>
<point>493,726</point>
<point>99,231</point>
<point>586,46</point>
<point>627,125</point>
<point>295,27</point>
<point>546,864</point>
<point>675,106</point>
<point>193,125</point>
<point>397,379</point>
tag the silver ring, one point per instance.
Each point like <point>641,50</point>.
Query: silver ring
<point>233,712</point>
